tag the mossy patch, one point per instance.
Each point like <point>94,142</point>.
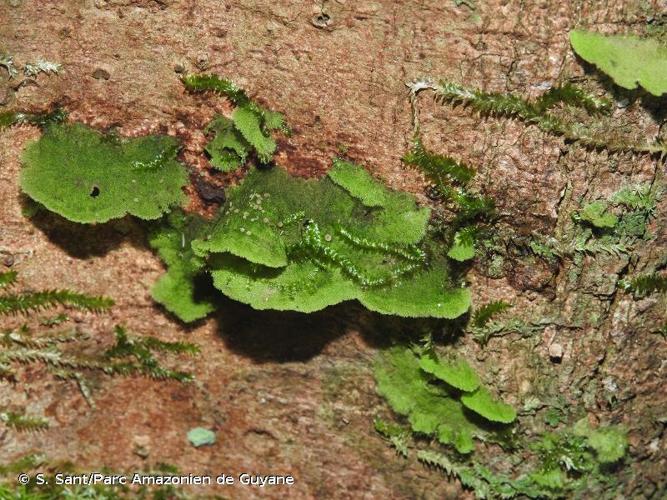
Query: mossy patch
<point>86,176</point>
<point>630,61</point>
<point>176,289</point>
<point>408,381</point>
<point>292,244</point>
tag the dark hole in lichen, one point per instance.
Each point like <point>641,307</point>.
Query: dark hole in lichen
<point>95,192</point>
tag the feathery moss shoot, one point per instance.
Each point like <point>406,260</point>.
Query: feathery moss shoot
<point>536,112</point>
<point>44,119</point>
<point>25,302</point>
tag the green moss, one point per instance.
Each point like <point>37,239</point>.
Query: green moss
<point>463,247</point>
<point>482,403</point>
<point>87,177</point>
<point>628,60</point>
<point>213,83</point>
<point>538,112</point>
<point>563,464</point>
<point>644,285</point>
<point>249,129</point>
<point>135,355</point>
<point>249,123</point>
<point>30,301</point>
<point>610,443</point>
<point>66,353</point>
<point>396,434</point>
<point>488,311</point>
<point>451,178</point>
<point>176,289</point>
<point>442,170</point>
<point>600,231</point>
<point>487,484</point>
<point>359,183</point>
<point>407,381</point>
<point>228,149</point>
<point>596,214</point>
<point>21,422</point>
<point>292,244</point>
<point>7,278</point>
<point>455,372</point>
<point>9,118</point>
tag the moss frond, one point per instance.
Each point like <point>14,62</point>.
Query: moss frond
<point>471,206</point>
<point>21,422</point>
<point>213,83</point>
<point>41,120</point>
<point>641,286</point>
<point>249,130</point>
<point>397,435</point>
<point>537,113</point>
<point>22,464</point>
<point>450,178</point>
<point>35,301</point>
<point>135,356</point>
<point>442,170</point>
<point>591,246</point>
<point>486,313</point>
<point>128,356</point>
<point>23,338</point>
<point>154,344</point>
<point>572,95</point>
<point>249,123</point>
<point>7,278</point>
<point>640,197</point>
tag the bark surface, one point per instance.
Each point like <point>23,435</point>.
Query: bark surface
<point>288,393</point>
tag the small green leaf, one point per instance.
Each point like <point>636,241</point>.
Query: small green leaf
<point>456,372</point>
<point>358,182</point>
<point>228,149</point>
<point>482,403</point>
<point>7,278</point>
<point>596,214</point>
<point>273,120</point>
<point>200,436</point>
<point>628,60</point>
<point>638,197</point>
<point>646,284</point>
<point>552,479</point>
<point>553,416</point>
<point>463,247</point>
<point>429,411</point>
<point>213,83</point>
<point>609,442</point>
<point>248,122</point>
<point>176,289</point>
<point>440,169</point>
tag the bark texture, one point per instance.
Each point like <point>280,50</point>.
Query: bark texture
<point>295,394</point>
